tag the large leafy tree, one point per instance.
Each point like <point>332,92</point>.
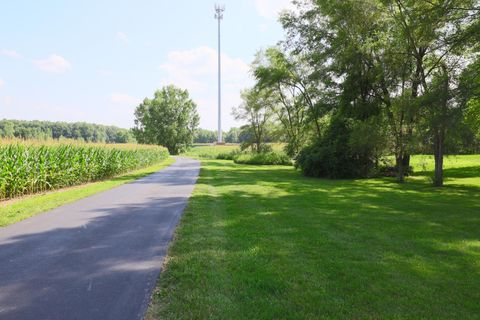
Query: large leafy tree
<point>344,44</point>
<point>392,57</point>
<point>441,37</point>
<point>169,119</point>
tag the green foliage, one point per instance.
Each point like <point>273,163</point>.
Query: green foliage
<point>263,158</point>
<point>260,148</point>
<point>282,76</point>
<point>210,151</point>
<point>29,168</point>
<point>399,60</point>
<point>45,130</point>
<point>205,136</point>
<point>472,116</point>
<point>336,155</point>
<point>256,110</point>
<point>233,136</point>
<point>227,155</point>
<point>169,119</point>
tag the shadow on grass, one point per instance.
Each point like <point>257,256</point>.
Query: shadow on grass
<point>452,173</point>
<point>275,244</point>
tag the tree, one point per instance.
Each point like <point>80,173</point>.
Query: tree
<point>60,130</point>
<point>232,135</point>
<point>256,110</point>
<point>169,119</point>
<point>294,108</point>
<point>469,90</point>
<point>8,129</point>
<point>441,37</point>
<point>342,43</point>
<point>388,56</point>
<point>205,136</point>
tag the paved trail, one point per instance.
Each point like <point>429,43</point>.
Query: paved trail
<point>97,258</point>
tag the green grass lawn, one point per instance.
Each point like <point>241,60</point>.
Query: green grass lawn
<point>15,210</point>
<point>266,243</point>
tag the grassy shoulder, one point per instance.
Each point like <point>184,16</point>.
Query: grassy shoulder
<point>260,242</point>
<point>19,209</point>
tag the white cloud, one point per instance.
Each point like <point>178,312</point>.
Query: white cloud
<point>54,64</point>
<point>270,9</point>
<point>122,37</point>
<point>196,71</point>
<point>2,83</point>
<point>11,53</point>
<point>123,98</point>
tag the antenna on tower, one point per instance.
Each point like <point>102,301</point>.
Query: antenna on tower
<point>219,9</point>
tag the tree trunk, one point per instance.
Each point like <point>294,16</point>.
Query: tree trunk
<point>438,154</point>
<point>406,162</point>
<point>439,135</point>
<point>400,168</point>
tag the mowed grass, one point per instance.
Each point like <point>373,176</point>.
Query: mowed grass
<point>266,243</point>
<point>12,211</point>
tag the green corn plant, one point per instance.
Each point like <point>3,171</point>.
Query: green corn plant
<point>30,167</point>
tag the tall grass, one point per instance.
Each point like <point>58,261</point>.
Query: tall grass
<point>31,166</point>
<point>266,158</point>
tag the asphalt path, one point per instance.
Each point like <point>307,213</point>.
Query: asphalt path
<point>97,258</point>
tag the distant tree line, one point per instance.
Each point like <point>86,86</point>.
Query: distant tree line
<point>242,134</point>
<point>82,131</point>
<point>234,135</point>
<point>356,81</point>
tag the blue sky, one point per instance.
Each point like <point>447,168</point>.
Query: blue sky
<point>96,60</point>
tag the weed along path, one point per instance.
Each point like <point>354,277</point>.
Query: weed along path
<point>97,258</point>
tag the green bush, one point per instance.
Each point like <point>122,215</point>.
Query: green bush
<point>265,158</point>
<point>262,148</point>
<point>228,155</point>
<point>387,168</point>
<point>334,155</point>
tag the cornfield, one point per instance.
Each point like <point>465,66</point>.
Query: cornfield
<point>31,167</point>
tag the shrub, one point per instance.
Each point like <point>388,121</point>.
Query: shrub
<point>262,148</point>
<point>228,155</point>
<point>265,158</point>
<point>388,169</point>
<point>333,155</point>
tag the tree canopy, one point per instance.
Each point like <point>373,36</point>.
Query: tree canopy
<point>379,77</point>
<point>169,119</point>
<point>87,132</point>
